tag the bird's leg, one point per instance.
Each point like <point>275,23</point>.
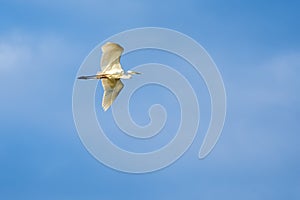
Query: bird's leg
<point>98,76</point>
<point>88,77</point>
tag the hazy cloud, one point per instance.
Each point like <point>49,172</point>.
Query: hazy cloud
<point>13,53</point>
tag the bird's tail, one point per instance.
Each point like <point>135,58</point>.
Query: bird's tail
<point>88,77</point>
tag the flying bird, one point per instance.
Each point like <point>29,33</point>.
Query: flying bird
<point>111,73</point>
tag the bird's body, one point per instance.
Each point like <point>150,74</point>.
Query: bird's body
<point>111,73</point>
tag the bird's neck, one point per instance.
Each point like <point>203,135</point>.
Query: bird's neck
<point>126,76</point>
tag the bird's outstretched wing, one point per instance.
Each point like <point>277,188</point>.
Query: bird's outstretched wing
<point>110,60</point>
<point>112,88</point>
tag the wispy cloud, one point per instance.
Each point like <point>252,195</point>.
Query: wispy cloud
<point>263,106</point>
<point>36,70</point>
<point>272,82</point>
<point>14,53</point>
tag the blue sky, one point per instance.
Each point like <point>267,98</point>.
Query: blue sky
<point>256,47</point>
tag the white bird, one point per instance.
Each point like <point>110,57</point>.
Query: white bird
<point>111,73</point>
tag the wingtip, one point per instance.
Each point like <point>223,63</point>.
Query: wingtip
<point>105,107</point>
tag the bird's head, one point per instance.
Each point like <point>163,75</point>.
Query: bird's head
<point>132,72</point>
<point>129,74</point>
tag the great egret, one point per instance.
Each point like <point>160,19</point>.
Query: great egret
<point>111,73</point>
